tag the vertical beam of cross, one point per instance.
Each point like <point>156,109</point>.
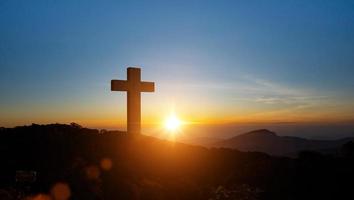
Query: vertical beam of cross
<point>134,86</point>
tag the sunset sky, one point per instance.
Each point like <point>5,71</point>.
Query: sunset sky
<point>213,62</point>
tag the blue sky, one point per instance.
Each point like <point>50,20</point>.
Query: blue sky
<point>224,61</point>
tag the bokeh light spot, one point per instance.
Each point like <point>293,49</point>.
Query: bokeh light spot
<point>106,164</point>
<point>60,191</point>
<point>39,197</point>
<point>92,172</point>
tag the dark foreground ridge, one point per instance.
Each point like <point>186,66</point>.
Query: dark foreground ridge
<point>94,164</point>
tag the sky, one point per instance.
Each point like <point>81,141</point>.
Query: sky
<point>213,62</point>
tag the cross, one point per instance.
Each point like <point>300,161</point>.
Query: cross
<point>133,86</point>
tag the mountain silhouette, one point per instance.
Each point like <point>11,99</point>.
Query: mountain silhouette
<point>266,141</point>
<point>98,164</point>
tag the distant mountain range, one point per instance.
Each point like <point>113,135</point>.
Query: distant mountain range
<point>263,140</point>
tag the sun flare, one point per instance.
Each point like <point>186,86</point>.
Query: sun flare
<point>172,123</point>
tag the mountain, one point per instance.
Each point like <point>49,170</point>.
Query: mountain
<point>90,164</point>
<point>263,140</point>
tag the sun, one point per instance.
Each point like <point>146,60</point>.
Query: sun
<point>172,123</point>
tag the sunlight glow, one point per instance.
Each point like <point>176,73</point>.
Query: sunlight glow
<point>172,123</point>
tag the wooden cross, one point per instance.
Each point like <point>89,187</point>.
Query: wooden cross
<point>133,86</point>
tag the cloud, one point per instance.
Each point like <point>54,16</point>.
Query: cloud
<point>269,92</point>
<point>252,97</point>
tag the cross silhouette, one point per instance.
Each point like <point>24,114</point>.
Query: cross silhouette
<point>134,86</point>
